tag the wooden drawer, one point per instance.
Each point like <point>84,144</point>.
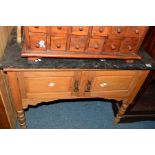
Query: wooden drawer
<point>117,83</point>
<point>38,42</point>
<point>96,45</point>
<point>129,44</point>
<point>136,31</point>
<point>47,84</point>
<point>100,30</point>
<point>118,31</point>
<point>112,44</point>
<point>59,30</point>
<point>78,43</point>
<point>80,30</point>
<point>37,29</point>
<point>58,43</point>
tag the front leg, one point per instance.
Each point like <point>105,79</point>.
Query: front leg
<point>21,119</point>
<point>121,111</point>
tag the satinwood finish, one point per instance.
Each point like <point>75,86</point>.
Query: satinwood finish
<point>119,42</point>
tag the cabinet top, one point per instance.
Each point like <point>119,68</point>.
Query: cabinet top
<point>12,59</point>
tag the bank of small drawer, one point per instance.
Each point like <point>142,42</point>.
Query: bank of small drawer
<point>100,30</point>
<point>80,30</point>
<point>96,45</point>
<point>78,44</point>
<point>129,44</point>
<point>112,44</point>
<point>37,29</point>
<point>58,43</point>
<point>60,31</point>
<point>38,42</point>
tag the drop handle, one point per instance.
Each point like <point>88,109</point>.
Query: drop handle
<point>76,86</point>
<point>88,86</point>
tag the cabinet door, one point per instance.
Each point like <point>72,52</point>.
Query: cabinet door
<point>111,84</point>
<point>48,85</point>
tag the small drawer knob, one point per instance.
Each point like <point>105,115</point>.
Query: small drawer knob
<point>119,30</point>
<point>59,27</point>
<point>113,47</point>
<point>130,48</point>
<point>96,46</point>
<point>80,28</point>
<point>58,45</point>
<point>103,84</point>
<point>101,29</point>
<point>77,46</point>
<point>36,27</point>
<point>52,84</point>
<point>137,31</point>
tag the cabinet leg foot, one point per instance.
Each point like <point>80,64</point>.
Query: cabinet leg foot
<point>21,119</point>
<point>121,112</point>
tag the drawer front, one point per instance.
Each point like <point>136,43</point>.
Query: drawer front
<point>136,31</point>
<point>58,43</point>
<point>100,30</point>
<point>129,45</point>
<point>112,44</point>
<point>38,42</point>
<point>47,84</point>
<point>118,31</point>
<point>59,30</point>
<point>77,43</point>
<point>95,45</point>
<point>38,29</point>
<point>80,30</point>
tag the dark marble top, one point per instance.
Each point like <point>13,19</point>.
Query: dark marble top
<point>12,59</point>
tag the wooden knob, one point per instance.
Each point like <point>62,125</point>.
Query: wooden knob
<point>36,27</point>
<point>119,30</point>
<point>37,45</point>
<point>137,31</point>
<point>130,48</point>
<point>58,45</point>
<point>113,47</point>
<point>81,28</point>
<point>59,27</point>
<point>96,46</point>
<point>101,29</point>
<point>77,46</point>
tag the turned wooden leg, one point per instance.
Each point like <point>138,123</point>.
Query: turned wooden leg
<point>121,112</point>
<point>21,119</point>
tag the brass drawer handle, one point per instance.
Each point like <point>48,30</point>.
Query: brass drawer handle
<point>88,86</point>
<point>76,86</point>
<point>130,48</point>
<point>41,43</point>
